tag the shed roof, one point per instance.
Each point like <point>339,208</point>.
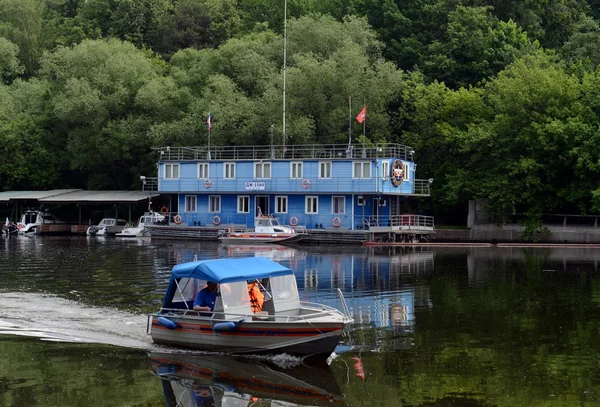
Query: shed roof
<point>100,196</point>
<point>77,195</point>
<point>36,195</point>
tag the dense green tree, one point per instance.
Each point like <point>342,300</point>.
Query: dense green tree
<point>10,66</point>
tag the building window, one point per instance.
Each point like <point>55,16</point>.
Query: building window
<point>385,170</point>
<point>229,170</point>
<point>203,171</point>
<point>172,171</point>
<point>295,170</point>
<point>361,169</point>
<point>214,203</point>
<point>406,176</point>
<point>190,203</point>
<point>325,169</point>
<point>312,204</point>
<point>338,205</point>
<point>262,170</point>
<point>243,204</point>
<point>281,204</point>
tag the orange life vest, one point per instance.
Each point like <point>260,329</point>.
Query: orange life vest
<point>256,297</point>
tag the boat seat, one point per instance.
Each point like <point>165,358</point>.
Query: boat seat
<point>268,307</point>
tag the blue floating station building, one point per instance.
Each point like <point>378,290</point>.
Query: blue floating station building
<point>330,187</point>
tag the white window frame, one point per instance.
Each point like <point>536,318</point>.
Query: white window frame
<point>281,200</point>
<point>385,170</point>
<point>343,200</point>
<point>406,175</point>
<point>191,200</point>
<point>262,166</point>
<point>296,170</point>
<point>170,169</point>
<point>229,170</point>
<point>203,171</point>
<point>309,202</point>
<point>363,165</point>
<point>325,170</point>
<point>214,204</point>
<point>243,200</point>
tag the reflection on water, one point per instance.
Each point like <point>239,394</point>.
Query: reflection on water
<point>434,326</point>
<point>218,380</point>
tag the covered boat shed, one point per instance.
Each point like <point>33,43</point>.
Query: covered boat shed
<point>77,205</point>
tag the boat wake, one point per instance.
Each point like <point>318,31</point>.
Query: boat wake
<point>56,319</point>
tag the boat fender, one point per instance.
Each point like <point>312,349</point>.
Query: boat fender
<point>166,370</point>
<point>224,326</point>
<point>167,323</point>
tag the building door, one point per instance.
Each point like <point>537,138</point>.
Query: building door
<point>373,221</point>
<point>261,205</point>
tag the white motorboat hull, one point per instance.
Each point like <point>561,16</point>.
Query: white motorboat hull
<point>261,238</point>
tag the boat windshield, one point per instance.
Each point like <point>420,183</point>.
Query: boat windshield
<point>107,222</point>
<point>235,297</point>
<point>285,292</point>
<point>275,222</point>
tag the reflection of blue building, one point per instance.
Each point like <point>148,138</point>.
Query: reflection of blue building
<point>380,290</point>
<point>331,186</point>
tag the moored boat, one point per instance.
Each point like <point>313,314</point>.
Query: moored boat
<point>280,324</point>
<point>139,230</point>
<point>267,229</point>
<point>107,226</point>
<point>31,220</point>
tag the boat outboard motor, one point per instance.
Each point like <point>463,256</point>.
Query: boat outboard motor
<point>12,229</point>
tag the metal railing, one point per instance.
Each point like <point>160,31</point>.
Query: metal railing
<point>291,152</point>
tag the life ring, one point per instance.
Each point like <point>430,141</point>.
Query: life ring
<point>20,226</point>
<point>305,183</point>
<point>177,219</point>
<point>207,183</point>
<point>164,210</point>
<point>293,221</point>
<point>336,222</point>
<point>216,220</point>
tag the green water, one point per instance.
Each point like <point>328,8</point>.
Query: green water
<point>433,327</point>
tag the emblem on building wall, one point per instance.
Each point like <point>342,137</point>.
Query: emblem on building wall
<point>397,175</point>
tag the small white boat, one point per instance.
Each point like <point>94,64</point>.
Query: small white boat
<point>221,380</point>
<point>281,324</point>
<point>31,220</point>
<point>267,229</point>
<point>139,230</point>
<point>107,226</point>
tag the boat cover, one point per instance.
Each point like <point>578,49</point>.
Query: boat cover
<point>230,270</point>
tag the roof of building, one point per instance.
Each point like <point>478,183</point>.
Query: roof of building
<point>77,195</point>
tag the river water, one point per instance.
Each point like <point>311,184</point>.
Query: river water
<point>479,326</point>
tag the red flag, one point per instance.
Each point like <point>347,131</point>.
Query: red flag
<point>362,115</point>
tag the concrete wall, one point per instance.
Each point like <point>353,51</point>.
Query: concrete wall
<point>512,234</point>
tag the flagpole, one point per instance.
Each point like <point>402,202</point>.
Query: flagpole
<point>284,68</point>
<point>209,125</point>
<point>349,150</point>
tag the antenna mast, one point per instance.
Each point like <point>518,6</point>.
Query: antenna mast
<point>284,68</point>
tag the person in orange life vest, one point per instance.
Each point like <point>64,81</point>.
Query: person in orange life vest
<point>256,297</point>
<point>205,299</point>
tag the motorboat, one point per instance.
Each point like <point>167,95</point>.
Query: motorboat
<point>139,230</point>
<point>107,226</point>
<point>31,220</point>
<point>221,380</point>
<point>267,229</point>
<point>281,324</point>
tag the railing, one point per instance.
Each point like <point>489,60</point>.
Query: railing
<point>347,185</point>
<point>400,222</point>
<point>291,152</point>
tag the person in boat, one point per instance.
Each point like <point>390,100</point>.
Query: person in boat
<point>256,297</point>
<point>203,396</point>
<point>206,298</point>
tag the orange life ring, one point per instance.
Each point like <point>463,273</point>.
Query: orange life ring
<point>177,219</point>
<point>293,221</point>
<point>305,183</point>
<point>164,210</point>
<point>207,183</point>
<point>216,220</point>
<point>20,226</point>
<point>336,222</point>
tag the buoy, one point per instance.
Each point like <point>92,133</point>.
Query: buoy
<point>167,323</point>
<point>293,221</point>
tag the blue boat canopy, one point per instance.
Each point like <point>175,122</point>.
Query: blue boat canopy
<point>230,270</point>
